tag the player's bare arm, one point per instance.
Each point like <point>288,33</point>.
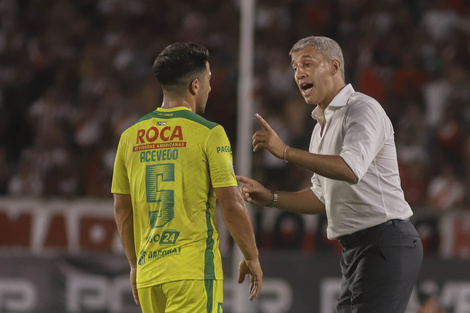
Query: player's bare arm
<point>331,166</point>
<point>125,224</point>
<point>304,201</point>
<point>238,222</point>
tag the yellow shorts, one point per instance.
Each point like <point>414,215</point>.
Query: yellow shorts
<point>184,296</point>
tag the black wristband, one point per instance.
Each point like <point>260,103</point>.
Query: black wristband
<point>274,202</point>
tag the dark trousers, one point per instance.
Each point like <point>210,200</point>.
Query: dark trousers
<point>379,266</point>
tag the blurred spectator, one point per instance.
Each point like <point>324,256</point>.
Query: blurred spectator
<point>429,301</point>
<point>430,304</point>
<point>436,88</point>
<point>411,138</point>
<point>445,190</point>
<point>440,21</point>
<point>415,180</point>
<point>466,156</point>
<point>27,181</point>
<point>408,78</point>
<point>4,172</point>
<point>288,231</point>
<point>449,136</point>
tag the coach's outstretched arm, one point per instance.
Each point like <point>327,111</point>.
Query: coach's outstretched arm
<point>330,166</point>
<point>304,201</point>
<point>238,222</point>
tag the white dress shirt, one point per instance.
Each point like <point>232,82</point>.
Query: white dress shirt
<point>358,129</point>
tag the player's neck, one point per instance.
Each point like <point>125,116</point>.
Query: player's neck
<point>170,103</point>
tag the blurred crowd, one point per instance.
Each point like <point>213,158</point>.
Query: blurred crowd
<point>75,73</point>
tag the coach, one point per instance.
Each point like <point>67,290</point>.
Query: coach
<point>355,181</point>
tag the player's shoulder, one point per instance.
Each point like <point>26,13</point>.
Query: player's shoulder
<point>132,127</point>
<point>196,118</point>
<point>162,117</point>
<point>180,114</point>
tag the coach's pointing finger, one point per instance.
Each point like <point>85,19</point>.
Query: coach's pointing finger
<point>268,139</point>
<point>263,123</point>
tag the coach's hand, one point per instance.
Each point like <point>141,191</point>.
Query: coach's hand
<point>268,139</point>
<point>253,268</point>
<point>254,192</point>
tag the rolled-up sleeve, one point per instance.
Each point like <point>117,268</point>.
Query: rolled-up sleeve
<point>317,188</point>
<point>365,132</point>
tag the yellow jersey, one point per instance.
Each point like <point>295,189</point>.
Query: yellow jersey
<point>170,161</point>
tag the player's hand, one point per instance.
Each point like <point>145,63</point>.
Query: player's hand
<point>254,192</point>
<point>133,276</point>
<point>253,268</point>
<point>268,139</point>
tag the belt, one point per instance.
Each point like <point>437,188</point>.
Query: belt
<point>352,240</point>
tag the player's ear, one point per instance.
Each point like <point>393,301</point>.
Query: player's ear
<point>194,86</point>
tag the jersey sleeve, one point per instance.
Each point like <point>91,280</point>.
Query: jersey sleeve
<point>120,183</point>
<point>219,156</point>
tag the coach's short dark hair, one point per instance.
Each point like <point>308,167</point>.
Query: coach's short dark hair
<point>179,60</point>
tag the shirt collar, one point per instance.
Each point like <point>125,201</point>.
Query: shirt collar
<point>179,108</point>
<point>340,100</point>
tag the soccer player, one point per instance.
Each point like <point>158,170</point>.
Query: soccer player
<point>171,167</point>
<point>355,182</point>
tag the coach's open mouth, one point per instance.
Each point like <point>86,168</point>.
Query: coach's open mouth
<point>306,88</point>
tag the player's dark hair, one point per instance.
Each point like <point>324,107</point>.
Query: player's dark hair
<point>178,61</point>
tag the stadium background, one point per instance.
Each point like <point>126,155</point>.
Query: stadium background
<point>75,74</point>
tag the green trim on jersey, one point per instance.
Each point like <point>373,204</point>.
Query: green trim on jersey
<point>181,112</point>
<point>209,284</point>
<point>209,267</point>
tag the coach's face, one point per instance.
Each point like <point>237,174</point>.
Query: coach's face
<point>203,93</point>
<point>313,73</point>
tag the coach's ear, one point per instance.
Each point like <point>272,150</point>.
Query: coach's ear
<point>335,66</point>
<point>194,86</point>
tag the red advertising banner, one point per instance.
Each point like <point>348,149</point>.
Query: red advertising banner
<point>87,225</point>
<point>46,226</point>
